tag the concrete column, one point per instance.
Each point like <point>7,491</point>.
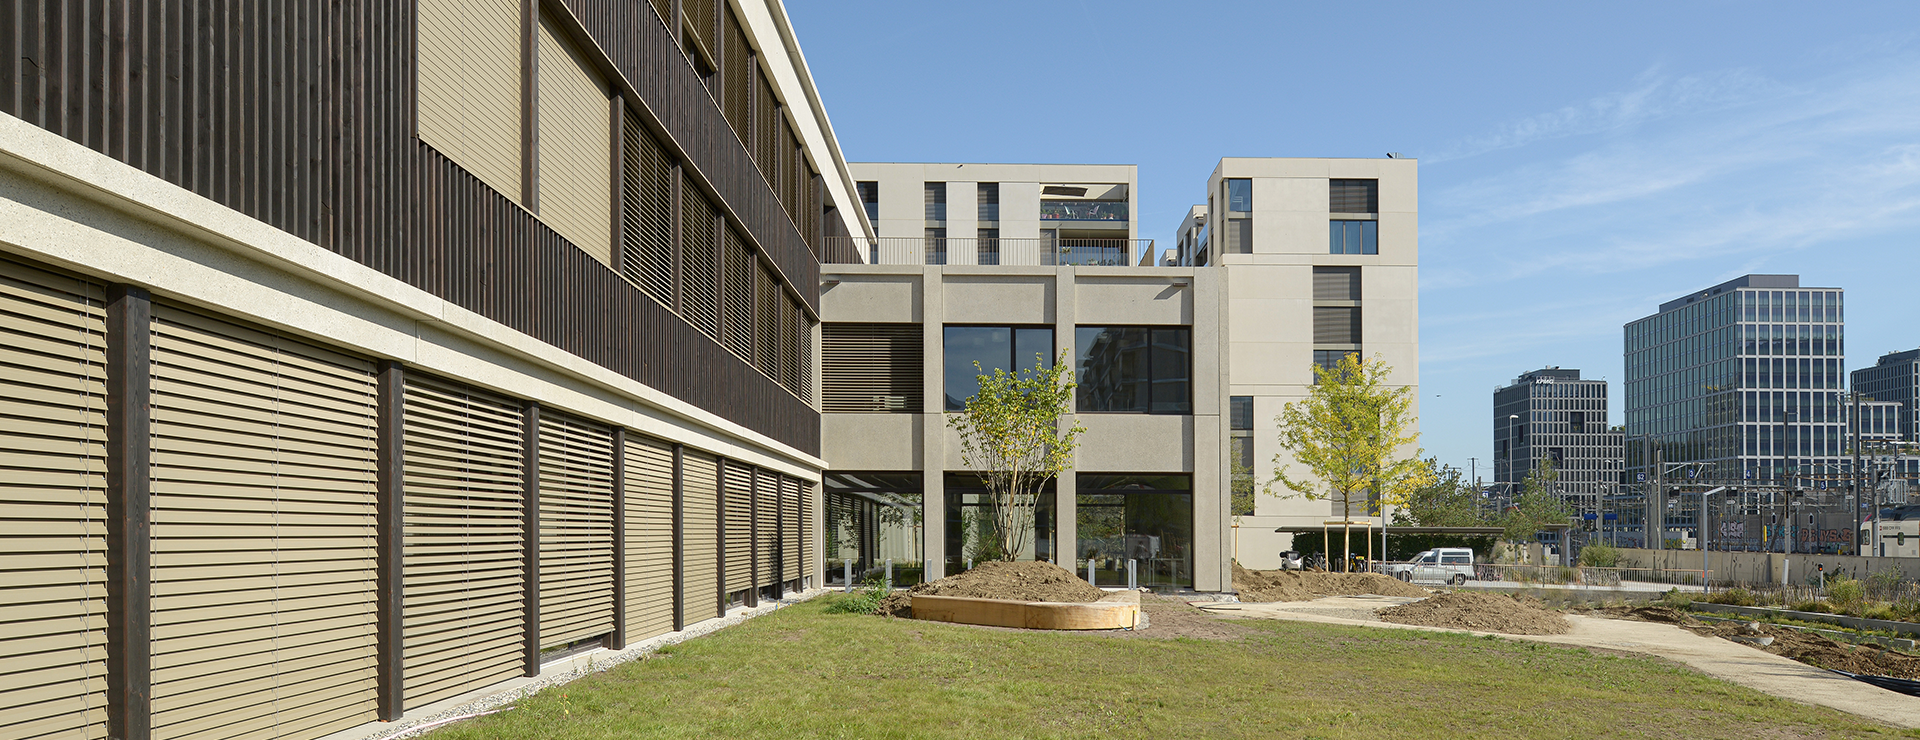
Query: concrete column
<point>1212,514</point>
<point>1065,522</point>
<point>933,455</point>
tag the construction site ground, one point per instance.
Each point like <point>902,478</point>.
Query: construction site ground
<point>1714,656</point>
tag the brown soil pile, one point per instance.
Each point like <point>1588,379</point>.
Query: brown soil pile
<point>1260,586</point>
<point>1824,652</point>
<point>1025,581</point>
<point>1661,614</point>
<point>1477,611</point>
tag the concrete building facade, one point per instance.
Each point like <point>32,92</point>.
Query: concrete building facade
<point>1895,378</point>
<point>1000,214</point>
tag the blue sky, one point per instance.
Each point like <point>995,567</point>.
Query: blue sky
<point>1579,165</point>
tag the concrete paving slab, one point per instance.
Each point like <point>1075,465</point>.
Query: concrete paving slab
<point>1724,659</point>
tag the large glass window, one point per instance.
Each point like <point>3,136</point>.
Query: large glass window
<point>1146,518</point>
<point>936,201</point>
<point>870,198</point>
<point>972,533</point>
<point>989,201</point>
<point>1010,348</point>
<point>1133,369</point>
<point>874,518</point>
<point>1240,422</point>
<point>1239,194</point>
<point>1353,237</point>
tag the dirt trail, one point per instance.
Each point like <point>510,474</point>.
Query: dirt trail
<point>1478,611</point>
<point>1261,586</point>
<point>1024,581</point>
<point>1820,650</point>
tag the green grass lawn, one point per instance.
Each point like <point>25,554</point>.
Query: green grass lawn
<point>801,672</point>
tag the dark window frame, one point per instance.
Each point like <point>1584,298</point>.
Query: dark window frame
<point>1152,380</point>
<point>1013,350</point>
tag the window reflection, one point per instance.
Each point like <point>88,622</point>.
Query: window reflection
<point>1015,349</point>
<point>1133,369</point>
<point>1146,518</point>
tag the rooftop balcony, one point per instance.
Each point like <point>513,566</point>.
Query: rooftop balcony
<point>1083,210</point>
<point>914,250</point>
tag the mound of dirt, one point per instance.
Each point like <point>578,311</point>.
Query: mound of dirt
<point>1824,652</point>
<point>1262,586</point>
<point>1661,614</point>
<point>1477,611</point>
<point>1024,581</point>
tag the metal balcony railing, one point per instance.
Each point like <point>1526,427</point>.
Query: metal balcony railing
<point>917,250</point>
<point>1083,210</point>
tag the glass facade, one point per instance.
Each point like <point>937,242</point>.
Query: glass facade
<point>1146,518</point>
<point>971,525</point>
<point>1745,378</point>
<point>1137,369</point>
<point>1010,348</point>
<point>873,518</point>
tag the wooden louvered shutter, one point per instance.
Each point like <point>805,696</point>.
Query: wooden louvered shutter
<point>53,673</point>
<point>808,566</point>
<point>649,538</point>
<point>576,530</point>
<point>738,295</point>
<point>739,526</point>
<point>646,212</point>
<point>263,532</point>
<point>868,368</point>
<point>766,521</point>
<point>1336,283</point>
<point>700,16</point>
<point>766,323</point>
<point>766,114</point>
<point>665,9</point>
<point>790,344</point>
<point>1336,325</point>
<point>789,529</point>
<point>463,576</point>
<point>737,61</point>
<point>699,536</point>
<point>803,336</point>
<point>700,265</point>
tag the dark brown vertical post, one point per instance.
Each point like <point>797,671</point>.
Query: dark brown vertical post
<point>530,531</point>
<point>390,523</point>
<point>679,541</point>
<point>530,104</point>
<point>618,641</point>
<point>129,514</point>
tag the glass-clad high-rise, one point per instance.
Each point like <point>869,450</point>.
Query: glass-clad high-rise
<point>1745,377</point>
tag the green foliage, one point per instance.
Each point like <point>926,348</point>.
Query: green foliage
<point>1240,496</point>
<point>1846,594</point>
<point>1012,436</point>
<point>1735,596</point>
<point>864,601</point>
<point>1349,432</point>
<point>1599,555</point>
<point>1537,505</point>
<point>1674,598</point>
<point>1446,499</point>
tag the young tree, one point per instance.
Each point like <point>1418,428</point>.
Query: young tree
<point>1447,500</point>
<point>1012,435</point>
<point>1537,506</point>
<point>1348,432</point>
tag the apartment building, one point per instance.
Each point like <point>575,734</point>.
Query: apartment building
<point>1895,378</point>
<point>1552,415</point>
<point>1000,214</point>
<point>360,357</point>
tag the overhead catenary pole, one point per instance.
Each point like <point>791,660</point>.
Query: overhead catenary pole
<point>1858,491</point>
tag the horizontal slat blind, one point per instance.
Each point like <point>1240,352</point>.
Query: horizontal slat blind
<point>807,566</point>
<point>1336,283</point>
<point>790,318</point>
<point>1353,196</point>
<point>738,71</point>
<point>868,368</point>
<point>767,526</point>
<point>1336,325</point>
<point>649,537</point>
<point>646,212</point>
<point>700,261</point>
<point>699,535</point>
<point>263,533</point>
<point>789,528</point>
<point>767,297</point>
<point>463,578</point>
<point>576,529</point>
<point>53,555</point>
<point>739,526</point>
<point>737,296</point>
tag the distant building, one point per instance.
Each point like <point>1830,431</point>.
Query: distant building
<point>1743,377</point>
<point>1552,415</point>
<point>947,213</point>
<point>1894,379</point>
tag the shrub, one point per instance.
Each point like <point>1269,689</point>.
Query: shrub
<point>1599,556</point>
<point>1881,611</point>
<point>1677,600</point>
<point>1907,609</point>
<point>1847,594</point>
<point>864,601</point>
<point>1818,607</point>
<point>1735,596</point>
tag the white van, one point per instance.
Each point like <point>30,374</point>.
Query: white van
<point>1453,565</point>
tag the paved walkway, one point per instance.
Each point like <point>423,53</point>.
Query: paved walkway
<point>1750,667</point>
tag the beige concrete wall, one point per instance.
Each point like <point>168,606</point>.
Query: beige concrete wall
<point>576,148</point>
<point>1063,297</point>
<point>902,197</point>
<point>469,87</point>
<point>1269,304</point>
<point>1766,568</point>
